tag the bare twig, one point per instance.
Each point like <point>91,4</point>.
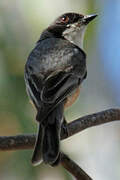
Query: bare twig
<point>18,142</point>
<point>92,120</point>
<point>73,168</point>
<point>26,141</point>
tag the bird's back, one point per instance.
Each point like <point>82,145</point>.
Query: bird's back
<point>54,54</point>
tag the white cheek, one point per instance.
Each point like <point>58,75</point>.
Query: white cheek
<point>75,35</point>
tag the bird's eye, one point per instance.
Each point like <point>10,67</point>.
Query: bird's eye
<point>65,19</point>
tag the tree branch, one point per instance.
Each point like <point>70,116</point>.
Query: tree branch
<point>95,119</point>
<point>27,141</point>
<point>73,168</point>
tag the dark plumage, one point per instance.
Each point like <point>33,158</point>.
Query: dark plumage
<point>54,70</point>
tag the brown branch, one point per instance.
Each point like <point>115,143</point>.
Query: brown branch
<point>27,141</point>
<point>73,168</point>
<point>92,120</point>
<point>18,142</point>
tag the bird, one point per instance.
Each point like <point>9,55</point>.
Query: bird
<point>53,74</point>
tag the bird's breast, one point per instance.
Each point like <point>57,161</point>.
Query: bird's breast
<point>72,98</point>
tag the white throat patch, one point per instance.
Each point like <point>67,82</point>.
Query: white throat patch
<point>75,34</point>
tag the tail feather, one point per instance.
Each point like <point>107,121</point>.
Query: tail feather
<point>48,140</point>
<point>37,154</point>
<point>51,144</point>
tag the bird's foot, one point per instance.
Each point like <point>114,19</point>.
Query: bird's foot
<point>64,129</point>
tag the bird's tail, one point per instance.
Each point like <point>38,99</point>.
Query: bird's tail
<point>48,141</point>
<point>37,154</point>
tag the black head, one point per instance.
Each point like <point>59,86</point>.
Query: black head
<point>68,18</point>
<point>68,22</point>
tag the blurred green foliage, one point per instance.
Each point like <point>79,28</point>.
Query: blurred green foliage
<point>15,115</point>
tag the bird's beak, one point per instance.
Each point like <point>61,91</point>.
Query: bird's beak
<point>89,18</point>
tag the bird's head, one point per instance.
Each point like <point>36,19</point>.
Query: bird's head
<point>71,26</point>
